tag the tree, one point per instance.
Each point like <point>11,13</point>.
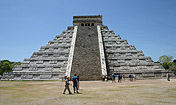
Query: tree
<point>165,59</point>
<point>167,64</point>
<point>174,61</point>
<point>6,66</point>
<point>173,68</point>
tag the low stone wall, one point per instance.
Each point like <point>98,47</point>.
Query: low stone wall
<point>32,76</point>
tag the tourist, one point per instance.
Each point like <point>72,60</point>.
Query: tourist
<point>168,76</point>
<point>113,78</point>
<point>75,83</point>
<point>67,85</point>
<point>134,77</point>
<point>103,78</point>
<point>123,76</point>
<point>119,78</point>
<point>130,77</point>
<point>107,78</point>
<point>78,81</point>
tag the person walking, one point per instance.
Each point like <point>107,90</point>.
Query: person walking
<point>168,76</point>
<point>75,83</point>
<point>67,85</point>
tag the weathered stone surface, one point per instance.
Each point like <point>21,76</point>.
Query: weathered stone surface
<point>122,58</point>
<point>50,58</point>
<point>86,60</point>
<point>89,49</point>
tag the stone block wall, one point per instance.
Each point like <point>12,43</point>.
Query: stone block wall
<point>122,58</point>
<point>48,63</point>
<point>87,51</point>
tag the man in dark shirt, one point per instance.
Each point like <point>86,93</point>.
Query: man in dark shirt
<point>75,83</point>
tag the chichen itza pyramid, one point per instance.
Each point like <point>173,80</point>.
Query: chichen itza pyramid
<point>89,49</point>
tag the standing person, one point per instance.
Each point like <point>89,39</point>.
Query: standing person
<point>75,83</point>
<point>78,81</point>
<point>168,76</point>
<point>130,77</point>
<point>106,78</point>
<point>123,76</point>
<point>67,85</point>
<point>119,78</point>
<point>103,78</point>
<point>134,76</point>
<point>113,78</point>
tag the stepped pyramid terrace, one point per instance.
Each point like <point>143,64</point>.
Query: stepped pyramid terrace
<point>88,49</point>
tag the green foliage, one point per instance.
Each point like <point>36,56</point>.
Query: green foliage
<point>174,61</point>
<point>165,59</point>
<point>173,67</point>
<point>167,64</point>
<point>6,66</point>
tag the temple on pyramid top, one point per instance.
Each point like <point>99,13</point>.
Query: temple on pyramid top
<point>93,20</point>
<point>90,50</point>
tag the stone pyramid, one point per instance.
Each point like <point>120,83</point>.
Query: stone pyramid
<point>88,49</point>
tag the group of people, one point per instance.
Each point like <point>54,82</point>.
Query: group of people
<point>113,77</point>
<point>132,77</point>
<point>75,80</point>
<point>119,76</point>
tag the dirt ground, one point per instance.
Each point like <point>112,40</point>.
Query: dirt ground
<point>140,92</point>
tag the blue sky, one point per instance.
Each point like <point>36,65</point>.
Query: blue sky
<point>26,25</point>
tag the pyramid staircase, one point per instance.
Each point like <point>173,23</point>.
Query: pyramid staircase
<point>88,49</point>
